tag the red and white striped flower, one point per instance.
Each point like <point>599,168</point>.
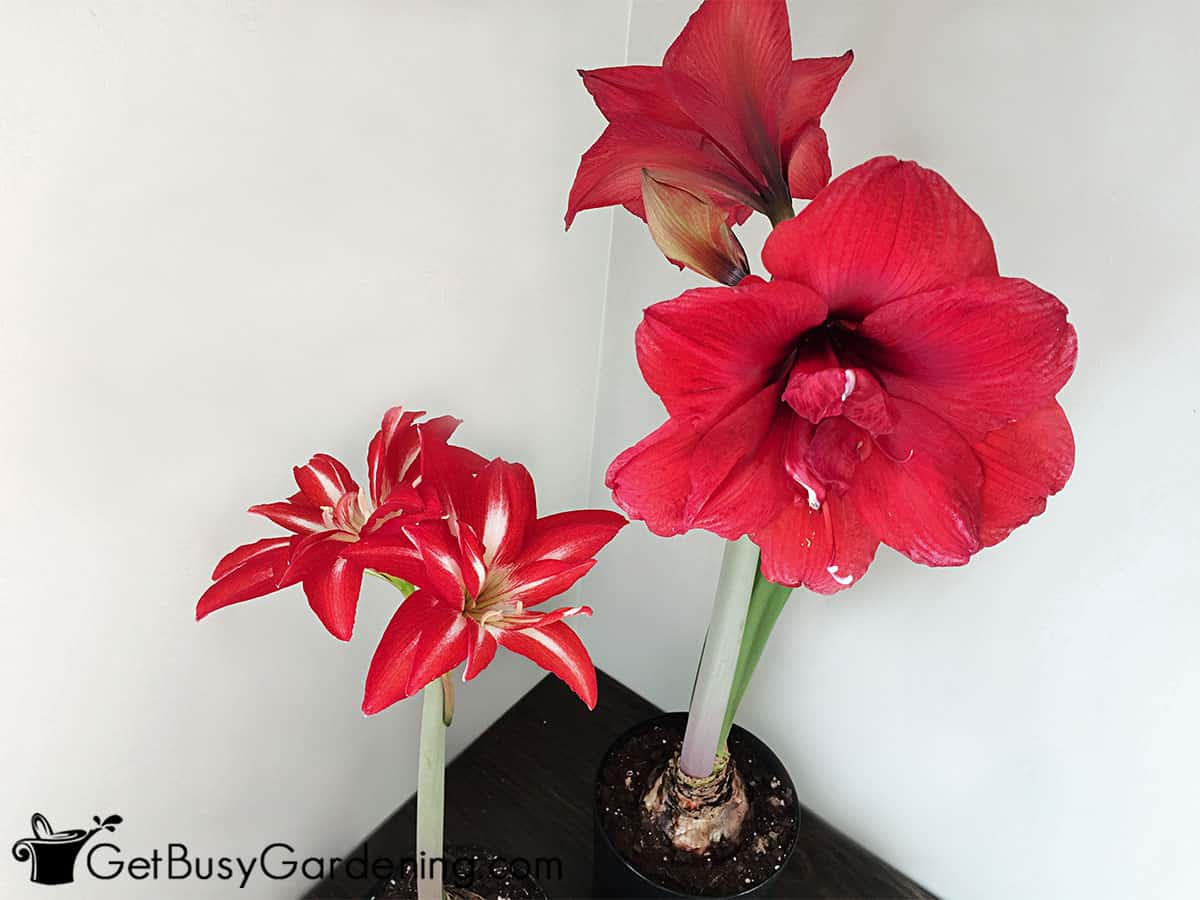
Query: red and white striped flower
<point>479,571</point>
<point>331,512</point>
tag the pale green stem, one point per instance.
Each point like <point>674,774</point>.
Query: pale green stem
<point>431,779</point>
<point>718,660</point>
<point>766,603</point>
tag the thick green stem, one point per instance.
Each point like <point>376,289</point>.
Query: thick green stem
<point>431,778</point>
<point>766,602</point>
<point>718,660</point>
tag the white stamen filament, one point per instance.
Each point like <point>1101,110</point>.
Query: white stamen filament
<point>488,616</point>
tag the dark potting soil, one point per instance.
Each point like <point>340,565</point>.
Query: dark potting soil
<point>731,868</point>
<point>473,873</point>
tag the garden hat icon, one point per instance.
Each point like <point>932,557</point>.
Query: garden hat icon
<point>54,852</point>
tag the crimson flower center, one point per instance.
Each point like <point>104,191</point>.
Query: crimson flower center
<point>841,410</point>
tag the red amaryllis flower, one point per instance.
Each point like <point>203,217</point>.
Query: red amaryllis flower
<point>887,386</point>
<point>331,512</point>
<point>729,114</point>
<point>478,573</point>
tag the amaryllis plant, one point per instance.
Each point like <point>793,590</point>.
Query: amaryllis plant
<point>461,539</point>
<point>728,121</point>
<point>885,385</point>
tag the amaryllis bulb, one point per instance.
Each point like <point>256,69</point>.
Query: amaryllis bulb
<point>692,232</point>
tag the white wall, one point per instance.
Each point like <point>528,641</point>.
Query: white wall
<point>1026,726</point>
<point>231,235</point>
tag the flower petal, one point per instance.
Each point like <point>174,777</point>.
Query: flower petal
<point>854,393</point>
<point>739,478</point>
<point>817,395</point>
<point>471,552</point>
<point>1023,464</point>
<point>981,353</point>
<point>795,461</point>
<point>919,489</point>
<point>403,507</point>
<point>557,649</point>
<point>610,172</point>
<point>301,518</point>
<point>246,552</point>
<point>537,581</point>
<point>392,452</point>
<point>424,640</point>
<point>541,619</point>
<point>836,449</point>
<point>333,595</point>
<point>729,71</point>
<point>883,230</point>
<point>811,85</point>
<point>446,469</point>
<point>652,480</point>
<point>501,506</point>
<point>807,162</point>
<point>711,349</point>
<point>439,549</point>
<point>249,571</point>
<point>389,554</point>
<point>634,93</point>
<point>324,480</point>
<point>825,550</point>
<point>312,553</point>
<point>481,649</point>
<point>574,536</point>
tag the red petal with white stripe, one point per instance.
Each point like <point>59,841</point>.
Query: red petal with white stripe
<point>323,480</point>
<point>557,649</point>
<point>576,535</point>
<point>532,583</point>
<point>501,507</point>
<point>424,640</point>
<point>249,571</point>
<point>333,595</point>
<point>296,517</point>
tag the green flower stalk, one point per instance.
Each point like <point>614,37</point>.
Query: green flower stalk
<point>437,711</point>
<point>704,738</point>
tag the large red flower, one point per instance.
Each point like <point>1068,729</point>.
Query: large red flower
<point>478,571</point>
<point>886,386</point>
<point>728,115</point>
<point>331,512</point>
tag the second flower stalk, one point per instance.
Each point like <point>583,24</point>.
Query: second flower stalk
<point>700,800</point>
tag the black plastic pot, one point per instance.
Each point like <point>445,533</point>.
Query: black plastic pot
<point>613,876</point>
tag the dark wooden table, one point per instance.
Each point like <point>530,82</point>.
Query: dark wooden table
<point>524,789</point>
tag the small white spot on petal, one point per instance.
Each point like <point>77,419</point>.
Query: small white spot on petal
<point>813,502</point>
<point>840,579</point>
<point>851,381</point>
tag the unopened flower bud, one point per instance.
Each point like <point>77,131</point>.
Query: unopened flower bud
<point>691,231</point>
